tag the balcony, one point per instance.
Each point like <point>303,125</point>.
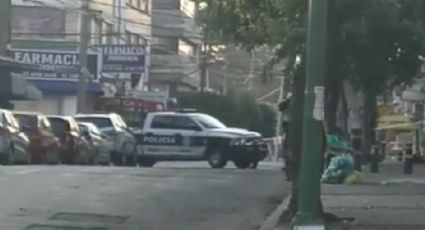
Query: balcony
<point>172,67</point>
<point>175,23</point>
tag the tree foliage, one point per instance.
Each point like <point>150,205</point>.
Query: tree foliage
<point>377,43</point>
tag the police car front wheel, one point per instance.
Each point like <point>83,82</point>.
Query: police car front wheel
<point>216,159</point>
<point>146,163</point>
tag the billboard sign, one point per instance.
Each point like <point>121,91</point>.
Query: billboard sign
<point>123,58</point>
<point>55,65</point>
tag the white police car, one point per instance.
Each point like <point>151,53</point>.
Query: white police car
<point>168,136</point>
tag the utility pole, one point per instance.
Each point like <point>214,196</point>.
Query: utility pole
<point>203,70</point>
<point>5,24</point>
<point>309,212</point>
<point>84,40</point>
<point>5,33</point>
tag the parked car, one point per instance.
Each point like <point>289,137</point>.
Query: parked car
<point>43,146</point>
<point>13,142</point>
<point>98,146</point>
<point>73,147</point>
<point>121,143</point>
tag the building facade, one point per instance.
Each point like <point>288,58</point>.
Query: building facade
<point>176,45</point>
<point>46,33</point>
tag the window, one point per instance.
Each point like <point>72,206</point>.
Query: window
<point>141,5</point>
<point>11,121</point>
<point>95,131</point>
<point>128,37</point>
<point>109,30</point>
<point>119,121</point>
<point>208,121</point>
<point>27,121</point>
<point>42,22</point>
<point>73,125</point>
<point>142,41</point>
<point>173,122</point>
<point>97,31</point>
<point>59,126</point>
<point>83,129</point>
<point>100,122</point>
<point>45,125</point>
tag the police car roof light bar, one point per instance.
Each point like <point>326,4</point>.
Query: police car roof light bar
<point>185,110</point>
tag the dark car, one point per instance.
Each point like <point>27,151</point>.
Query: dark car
<point>13,143</point>
<point>43,146</point>
<point>73,147</point>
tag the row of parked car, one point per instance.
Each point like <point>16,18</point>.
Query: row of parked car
<point>35,138</point>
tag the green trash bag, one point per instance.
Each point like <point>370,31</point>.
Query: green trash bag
<point>335,141</point>
<point>341,166</point>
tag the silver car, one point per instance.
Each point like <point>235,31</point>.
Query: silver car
<point>99,152</point>
<point>13,142</point>
<point>120,141</point>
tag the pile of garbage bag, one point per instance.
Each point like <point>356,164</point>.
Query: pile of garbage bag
<point>340,169</point>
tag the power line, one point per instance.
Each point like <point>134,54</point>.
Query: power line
<point>98,34</point>
<point>113,16</point>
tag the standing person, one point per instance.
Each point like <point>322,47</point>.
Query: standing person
<point>284,153</point>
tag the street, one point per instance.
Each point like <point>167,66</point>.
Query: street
<point>170,196</point>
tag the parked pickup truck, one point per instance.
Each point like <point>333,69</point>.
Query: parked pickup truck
<point>176,136</point>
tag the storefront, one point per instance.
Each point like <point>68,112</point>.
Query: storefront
<point>56,75</point>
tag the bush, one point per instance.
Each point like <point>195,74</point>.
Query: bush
<point>235,110</point>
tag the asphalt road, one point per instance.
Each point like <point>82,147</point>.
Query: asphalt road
<point>186,196</point>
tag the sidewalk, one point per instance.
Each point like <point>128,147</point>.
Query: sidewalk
<point>389,200</point>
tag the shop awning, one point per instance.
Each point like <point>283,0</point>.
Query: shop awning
<point>64,87</point>
<point>410,126</point>
<point>395,119</point>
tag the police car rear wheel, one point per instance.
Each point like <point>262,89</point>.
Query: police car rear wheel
<point>242,163</point>
<point>217,160</point>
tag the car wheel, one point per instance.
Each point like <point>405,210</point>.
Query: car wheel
<point>216,159</point>
<point>254,165</point>
<point>130,160</point>
<point>146,163</point>
<point>51,158</point>
<point>28,160</point>
<point>117,159</point>
<point>92,160</point>
<point>242,163</point>
<point>10,155</point>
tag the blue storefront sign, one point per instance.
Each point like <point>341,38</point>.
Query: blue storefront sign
<point>55,65</point>
<point>123,58</point>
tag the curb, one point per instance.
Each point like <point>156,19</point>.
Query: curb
<point>272,220</point>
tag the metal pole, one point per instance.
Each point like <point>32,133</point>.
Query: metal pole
<point>203,71</point>
<point>310,213</point>
<point>5,24</point>
<point>84,40</point>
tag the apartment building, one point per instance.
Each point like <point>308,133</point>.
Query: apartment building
<point>46,33</point>
<point>175,46</point>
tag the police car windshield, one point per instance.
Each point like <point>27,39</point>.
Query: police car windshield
<point>208,122</point>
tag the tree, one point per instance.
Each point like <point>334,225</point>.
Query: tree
<point>375,44</point>
<point>382,46</point>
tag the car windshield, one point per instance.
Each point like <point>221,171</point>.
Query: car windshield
<point>100,122</point>
<point>59,126</point>
<point>208,121</point>
<point>27,120</point>
<point>120,122</point>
